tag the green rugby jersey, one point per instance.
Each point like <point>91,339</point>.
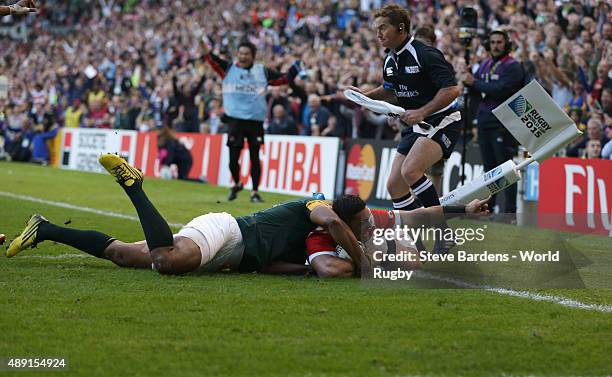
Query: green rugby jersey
<point>277,234</point>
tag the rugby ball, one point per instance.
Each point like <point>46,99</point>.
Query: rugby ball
<point>341,253</point>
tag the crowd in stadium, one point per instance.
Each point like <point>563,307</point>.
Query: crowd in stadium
<point>138,64</point>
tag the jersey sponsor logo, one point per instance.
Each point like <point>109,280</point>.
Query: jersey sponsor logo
<point>407,93</point>
<point>360,171</point>
<point>389,71</point>
<point>412,69</point>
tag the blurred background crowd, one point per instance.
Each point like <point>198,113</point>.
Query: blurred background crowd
<point>136,64</point>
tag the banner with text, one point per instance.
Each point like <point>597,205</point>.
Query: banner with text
<point>368,165</point>
<point>81,147</point>
<point>578,190</point>
<point>296,165</point>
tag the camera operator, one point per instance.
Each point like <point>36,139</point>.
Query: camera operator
<point>498,77</point>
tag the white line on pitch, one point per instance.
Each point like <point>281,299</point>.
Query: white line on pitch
<point>54,257</point>
<point>502,291</point>
<point>563,301</point>
<point>75,207</point>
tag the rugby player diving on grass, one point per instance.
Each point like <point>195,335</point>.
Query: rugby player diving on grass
<point>269,241</point>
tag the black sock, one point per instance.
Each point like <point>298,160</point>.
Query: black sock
<point>234,166</point>
<point>156,230</point>
<point>426,192</point>
<point>406,203</point>
<point>89,241</point>
<point>255,165</point>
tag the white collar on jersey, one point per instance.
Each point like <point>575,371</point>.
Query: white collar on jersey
<point>408,46</point>
<point>405,46</point>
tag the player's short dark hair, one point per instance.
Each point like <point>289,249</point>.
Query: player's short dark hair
<point>396,14</point>
<point>427,33</point>
<point>250,46</point>
<point>347,206</point>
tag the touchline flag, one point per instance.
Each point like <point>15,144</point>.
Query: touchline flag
<point>536,121</point>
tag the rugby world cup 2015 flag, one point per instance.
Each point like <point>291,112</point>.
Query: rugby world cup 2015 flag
<point>536,121</point>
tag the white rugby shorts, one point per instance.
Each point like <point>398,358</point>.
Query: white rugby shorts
<point>219,239</point>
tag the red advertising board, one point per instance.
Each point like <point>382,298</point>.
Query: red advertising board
<point>576,195</point>
<point>205,150</point>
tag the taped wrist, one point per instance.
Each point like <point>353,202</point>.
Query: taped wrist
<point>453,211</point>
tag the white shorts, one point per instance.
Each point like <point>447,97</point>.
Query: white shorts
<point>219,239</point>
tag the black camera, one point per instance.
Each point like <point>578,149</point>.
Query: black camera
<point>468,26</point>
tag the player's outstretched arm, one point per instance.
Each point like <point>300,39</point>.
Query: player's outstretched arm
<point>329,266</point>
<point>340,232</point>
<point>431,216</point>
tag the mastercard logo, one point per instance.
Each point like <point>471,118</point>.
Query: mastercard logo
<point>360,171</point>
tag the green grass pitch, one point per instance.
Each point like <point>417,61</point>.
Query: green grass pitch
<point>109,321</point>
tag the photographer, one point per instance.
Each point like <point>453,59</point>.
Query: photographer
<point>497,78</point>
<point>173,152</point>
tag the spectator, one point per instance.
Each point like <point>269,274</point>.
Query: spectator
<point>606,151</point>
<point>275,98</point>
<point>594,132</point>
<point>318,116</point>
<point>281,123</point>
<point>215,114</point>
<point>600,80</point>
<point>121,120</point>
<point>593,149</point>
<point>185,95</point>
<point>135,48</point>
<point>74,114</point>
<point>606,105</point>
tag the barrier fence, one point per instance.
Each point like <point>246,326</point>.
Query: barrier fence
<point>577,189</point>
